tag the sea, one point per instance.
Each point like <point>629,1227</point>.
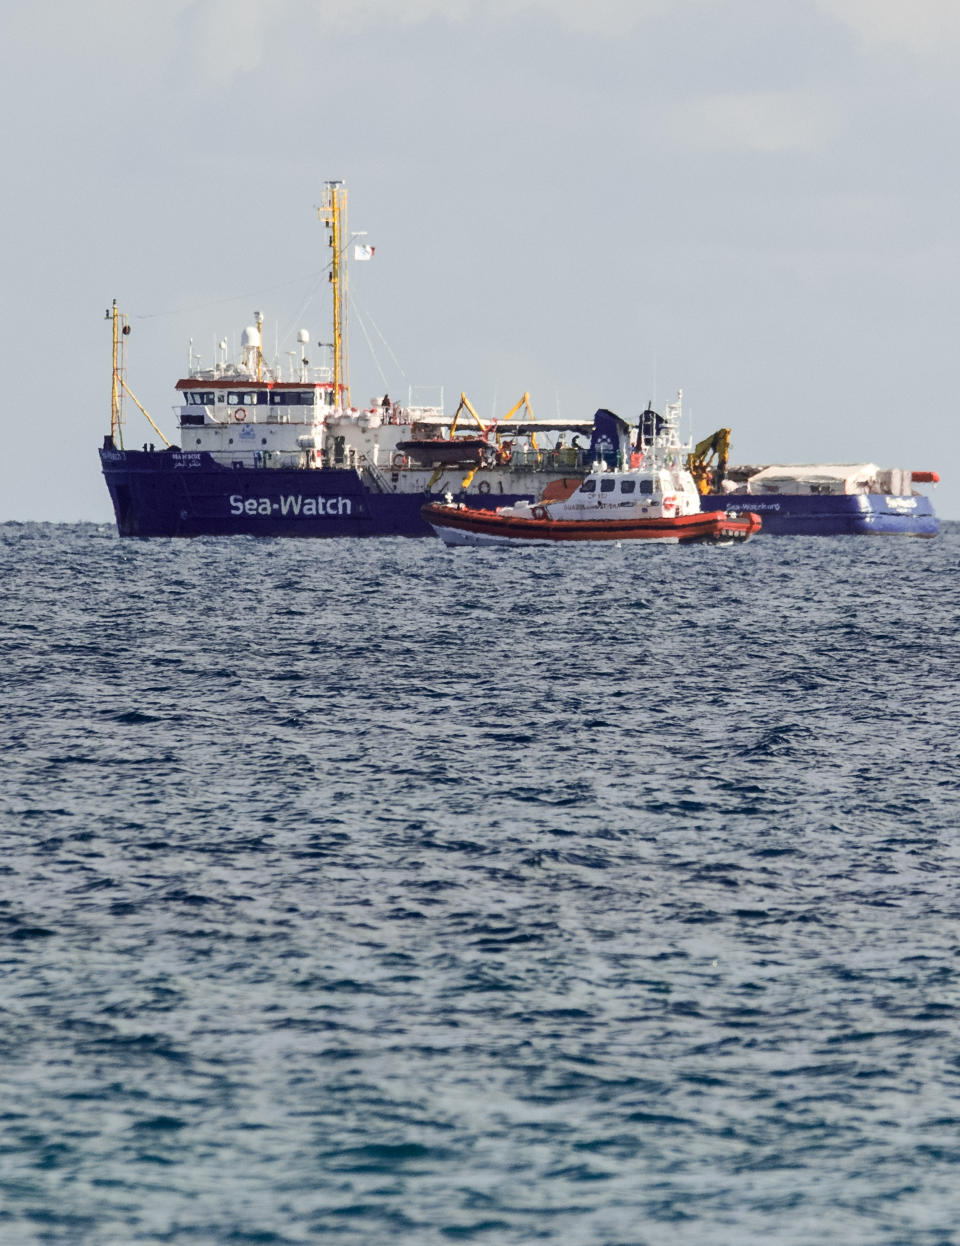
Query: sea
<point>371,892</point>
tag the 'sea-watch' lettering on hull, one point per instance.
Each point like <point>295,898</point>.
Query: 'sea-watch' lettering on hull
<point>290,504</point>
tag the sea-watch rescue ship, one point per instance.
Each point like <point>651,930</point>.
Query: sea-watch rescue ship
<point>272,451</point>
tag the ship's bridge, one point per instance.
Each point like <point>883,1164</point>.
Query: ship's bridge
<point>247,423</point>
<point>266,403</point>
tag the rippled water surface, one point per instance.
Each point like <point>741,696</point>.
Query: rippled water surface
<point>372,892</point>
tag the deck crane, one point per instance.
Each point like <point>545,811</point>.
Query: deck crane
<point>707,462</point>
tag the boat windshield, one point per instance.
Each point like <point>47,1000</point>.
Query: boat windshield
<point>284,398</point>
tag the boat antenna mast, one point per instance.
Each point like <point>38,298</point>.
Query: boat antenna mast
<point>333,214</point>
<point>121,330</point>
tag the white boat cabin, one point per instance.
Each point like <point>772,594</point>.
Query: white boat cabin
<point>829,478</point>
<point>633,491</point>
<point>639,492</point>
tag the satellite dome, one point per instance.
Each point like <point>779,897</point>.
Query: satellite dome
<point>250,337</point>
<point>303,336</point>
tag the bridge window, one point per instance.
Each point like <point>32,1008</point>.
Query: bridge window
<point>646,486</point>
<point>607,486</point>
<point>627,486</point>
<point>285,399</point>
<point>588,486</point>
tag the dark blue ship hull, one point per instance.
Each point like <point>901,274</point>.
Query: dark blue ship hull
<point>843,514</point>
<point>177,493</point>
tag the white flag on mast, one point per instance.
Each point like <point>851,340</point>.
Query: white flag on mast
<point>362,252</point>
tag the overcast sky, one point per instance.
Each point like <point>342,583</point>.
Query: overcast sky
<point>599,202</point>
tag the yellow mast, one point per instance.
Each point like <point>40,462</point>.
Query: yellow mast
<point>120,328</point>
<point>333,214</point>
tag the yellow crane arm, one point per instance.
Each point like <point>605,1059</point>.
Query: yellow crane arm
<point>517,406</point>
<point>707,462</point>
<point>465,405</point>
<point>524,402</point>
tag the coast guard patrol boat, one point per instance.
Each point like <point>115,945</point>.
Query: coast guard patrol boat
<point>637,490</point>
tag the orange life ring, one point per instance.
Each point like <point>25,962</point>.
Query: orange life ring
<point>239,415</point>
<point>539,512</point>
<point>399,460</point>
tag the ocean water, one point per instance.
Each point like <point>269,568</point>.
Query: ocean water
<point>373,892</point>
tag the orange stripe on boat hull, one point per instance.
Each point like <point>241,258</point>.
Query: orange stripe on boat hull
<point>709,526</point>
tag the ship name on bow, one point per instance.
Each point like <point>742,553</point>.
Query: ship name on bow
<point>290,504</point>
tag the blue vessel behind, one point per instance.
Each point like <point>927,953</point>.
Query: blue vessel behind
<point>816,499</point>
<point>857,514</point>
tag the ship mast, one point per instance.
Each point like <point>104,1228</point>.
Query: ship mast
<point>333,214</point>
<point>120,330</point>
